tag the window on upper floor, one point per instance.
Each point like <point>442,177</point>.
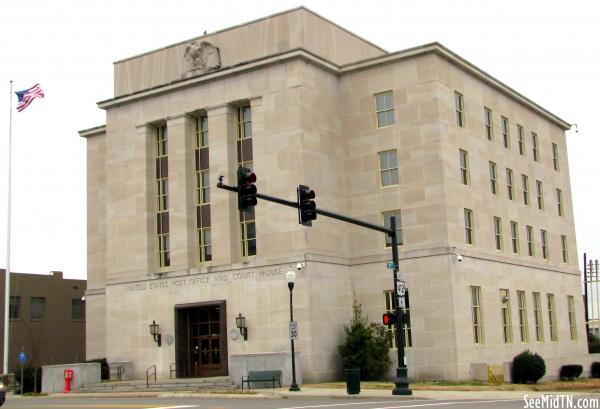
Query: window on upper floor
<point>523,321</point>
<point>489,123</point>
<point>565,250</point>
<point>77,309</point>
<point>202,179</point>
<point>505,133</point>
<point>539,318</point>
<point>37,308</point>
<point>552,318</point>
<point>530,241</point>
<point>498,239</point>
<point>245,159</point>
<point>510,184</point>
<point>469,226</point>
<point>384,106</point>
<point>521,140</point>
<point>477,315</point>
<point>555,161</point>
<point>572,317</point>
<point>514,237</point>
<point>493,178</point>
<point>525,184</point>
<point>559,202</point>
<point>14,308</point>
<point>388,168</point>
<point>540,194</point>
<point>459,105</point>
<point>161,154</point>
<point>464,166</point>
<point>534,147</point>
<point>544,237</point>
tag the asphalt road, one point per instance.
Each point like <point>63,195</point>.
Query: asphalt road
<point>257,403</point>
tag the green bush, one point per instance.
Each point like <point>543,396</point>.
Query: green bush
<point>528,367</point>
<point>595,370</point>
<point>366,348</point>
<point>570,372</point>
<point>593,343</point>
<point>104,369</point>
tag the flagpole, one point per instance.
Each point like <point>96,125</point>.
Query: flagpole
<point>7,272</point>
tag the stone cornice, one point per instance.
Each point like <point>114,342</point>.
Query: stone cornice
<point>97,130</point>
<point>299,53</point>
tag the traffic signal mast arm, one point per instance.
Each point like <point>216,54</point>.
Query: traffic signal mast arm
<point>401,381</point>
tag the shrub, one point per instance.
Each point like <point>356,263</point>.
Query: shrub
<point>104,369</point>
<point>528,367</point>
<point>570,372</point>
<point>367,346</point>
<point>595,371</point>
<point>593,343</point>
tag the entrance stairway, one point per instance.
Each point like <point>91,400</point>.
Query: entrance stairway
<point>219,383</point>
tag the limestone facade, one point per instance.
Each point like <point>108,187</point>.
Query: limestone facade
<point>311,87</point>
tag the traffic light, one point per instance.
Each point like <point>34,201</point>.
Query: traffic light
<point>307,209</point>
<point>246,189</point>
<point>389,318</point>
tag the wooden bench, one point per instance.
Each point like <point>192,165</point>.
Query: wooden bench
<point>262,376</point>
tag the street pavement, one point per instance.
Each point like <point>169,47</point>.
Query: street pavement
<point>308,398</point>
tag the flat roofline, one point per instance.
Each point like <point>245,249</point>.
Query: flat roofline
<point>412,52</point>
<point>248,23</point>
<point>86,133</point>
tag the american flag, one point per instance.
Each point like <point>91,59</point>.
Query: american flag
<point>28,95</point>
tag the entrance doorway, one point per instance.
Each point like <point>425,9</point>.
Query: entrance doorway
<point>201,340</point>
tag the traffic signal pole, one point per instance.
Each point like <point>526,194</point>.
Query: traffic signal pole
<point>402,386</point>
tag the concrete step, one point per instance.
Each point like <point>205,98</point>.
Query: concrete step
<point>186,384</point>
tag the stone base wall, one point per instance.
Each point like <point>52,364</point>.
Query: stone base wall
<point>53,379</point>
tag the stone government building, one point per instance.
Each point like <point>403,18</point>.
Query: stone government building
<point>477,174</point>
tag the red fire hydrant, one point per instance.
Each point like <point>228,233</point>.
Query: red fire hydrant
<point>68,377</point>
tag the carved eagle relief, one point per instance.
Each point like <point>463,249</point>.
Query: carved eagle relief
<point>200,58</point>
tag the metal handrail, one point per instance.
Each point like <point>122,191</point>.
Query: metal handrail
<point>172,368</point>
<point>148,374</point>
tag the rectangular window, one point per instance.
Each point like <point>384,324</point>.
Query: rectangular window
<point>525,183</point>
<point>384,105</point>
<point>469,228</point>
<point>534,147</point>
<point>388,168</point>
<point>559,202</point>
<point>203,232</point>
<point>387,222</point>
<point>539,319</point>
<point>493,178</point>
<point>161,142</point>
<point>14,307</point>
<point>489,123</point>
<point>510,184</point>
<point>530,242</point>
<point>523,323</point>
<point>37,308</point>
<point>552,318</point>
<point>514,237</point>
<point>555,157</point>
<point>544,236</point>
<point>77,309</point>
<point>540,194</point>
<point>505,133</point>
<point>521,138</point>
<point>245,159</point>
<point>498,233</point>
<point>565,250</point>
<point>464,166</point>
<point>507,334</point>
<point>572,317</point>
<point>459,104</point>
<point>390,306</point>
<point>477,315</point>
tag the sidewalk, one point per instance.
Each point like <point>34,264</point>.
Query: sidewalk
<point>328,392</point>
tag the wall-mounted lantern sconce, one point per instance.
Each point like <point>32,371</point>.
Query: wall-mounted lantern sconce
<point>240,322</point>
<point>155,332</point>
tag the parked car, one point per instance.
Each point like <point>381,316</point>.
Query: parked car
<point>2,394</point>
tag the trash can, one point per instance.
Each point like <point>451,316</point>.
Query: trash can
<point>352,381</point>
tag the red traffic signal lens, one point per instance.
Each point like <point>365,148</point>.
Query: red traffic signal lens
<point>388,318</point>
<point>251,178</point>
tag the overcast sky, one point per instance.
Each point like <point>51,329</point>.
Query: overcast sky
<point>546,50</point>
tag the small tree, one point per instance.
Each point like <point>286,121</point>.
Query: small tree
<point>528,367</point>
<point>367,346</point>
